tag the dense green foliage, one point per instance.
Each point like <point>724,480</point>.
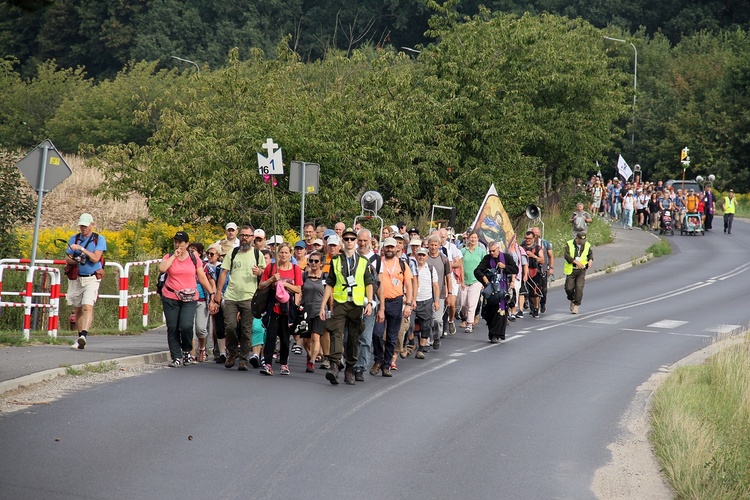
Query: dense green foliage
<point>16,207</point>
<point>438,131</point>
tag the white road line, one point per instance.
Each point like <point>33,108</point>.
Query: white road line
<point>637,330</point>
<point>610,320</point>
<point>668,323</point>
<point>723,328</point>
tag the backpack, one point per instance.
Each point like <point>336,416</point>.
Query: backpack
<point>261,299</point>
<point>161,281</point>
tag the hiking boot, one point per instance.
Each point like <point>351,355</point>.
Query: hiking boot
<point>222,358</point>
<point>349,376</point>
<point>375,369</point>
<point>574,310</point>
<point>359,375</point>
<point>436,344</point>
<point>419,354</point>
<point>387,372</point>
<point>230,361</point>
<point>332,375</point>
<point>325,364</point>
<point>243,366</point>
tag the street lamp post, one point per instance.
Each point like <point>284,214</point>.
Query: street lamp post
<point>635,79</point>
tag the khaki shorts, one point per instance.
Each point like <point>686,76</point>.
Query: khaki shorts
<point>83,291</point>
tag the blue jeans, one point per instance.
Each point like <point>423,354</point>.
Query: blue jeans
<point>365,341</point>
<point>627,217</point>
<point>615,210</point>
<point>383,347</point>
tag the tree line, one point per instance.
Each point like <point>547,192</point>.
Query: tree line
<point>527,102</point>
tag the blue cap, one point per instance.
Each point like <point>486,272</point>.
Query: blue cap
<point>327,233</point>
<point>300,244</point>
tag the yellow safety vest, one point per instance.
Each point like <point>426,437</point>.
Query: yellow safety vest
<point>568,267</point>
<point>729,205</point>
<point>340,293</point>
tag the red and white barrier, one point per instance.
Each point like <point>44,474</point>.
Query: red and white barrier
<point>54,296</point>
<point>123,296</point>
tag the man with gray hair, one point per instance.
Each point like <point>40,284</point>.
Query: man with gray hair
<point>442,265</point>
<point>364,248</point>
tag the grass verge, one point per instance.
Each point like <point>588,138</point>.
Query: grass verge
<point>660,249</point>
<point>701,426</point>
<point>103,367</point>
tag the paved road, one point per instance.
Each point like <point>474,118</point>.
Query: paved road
<point>529,418</point>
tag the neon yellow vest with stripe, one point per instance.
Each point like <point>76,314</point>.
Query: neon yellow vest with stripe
<point>340,293</point>
<point>729,205</point>
<point>583,259</point>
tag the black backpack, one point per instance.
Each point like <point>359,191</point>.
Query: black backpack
<point>162,279</point>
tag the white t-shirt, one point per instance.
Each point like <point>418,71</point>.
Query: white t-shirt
<point>424,292</point>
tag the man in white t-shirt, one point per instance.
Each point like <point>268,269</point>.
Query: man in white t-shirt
<point>450,250</point>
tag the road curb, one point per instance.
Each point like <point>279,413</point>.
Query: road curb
<point>43,376</point>
<point>609,270</point>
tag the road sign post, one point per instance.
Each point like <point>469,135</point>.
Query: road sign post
<point>303,178</point>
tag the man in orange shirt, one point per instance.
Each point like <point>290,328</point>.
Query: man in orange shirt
<point>396,300</point>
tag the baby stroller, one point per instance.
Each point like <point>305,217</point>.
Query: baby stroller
<point>665,224</point>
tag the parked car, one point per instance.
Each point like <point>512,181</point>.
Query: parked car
<point>686,187</point>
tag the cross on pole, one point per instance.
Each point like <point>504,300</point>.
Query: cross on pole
<point>270,146</point>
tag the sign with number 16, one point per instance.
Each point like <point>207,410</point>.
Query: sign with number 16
<point>273,164</point>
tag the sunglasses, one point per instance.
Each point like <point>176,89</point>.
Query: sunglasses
<point>314,261</point>
<point>350,239</point>
<point>210,254</point>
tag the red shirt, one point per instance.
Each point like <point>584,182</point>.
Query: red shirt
<point>293,276</point>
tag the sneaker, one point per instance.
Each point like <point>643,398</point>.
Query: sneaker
<point>469,329</point>
<point>519,315</point>
<point>511,317</point>
<point>375,369</point>
<point>452,328</point>
<point>188,359</point>
<point>359,375</point>
<point>325,364</point>
<point>222,358</point>
<point>494,340</point>
<point>575,309</point>
<point>175,363</point>
<point>229,363</point>
<point>267,370</point>
<point>387,372</point>
<point>243,366</point>
<point>285,370</point>
<point>436,343</point>
<point>332,375</point>
<point>81,342</point>
<point>534,312</point>
<point>310,368</point>
<point>419,354</point>
<point>254,361</point>
<point>543,309</point>
<point>445,334</point>
<point>393,366</point>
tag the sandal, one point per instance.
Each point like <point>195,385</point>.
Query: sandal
<point>201,355</point>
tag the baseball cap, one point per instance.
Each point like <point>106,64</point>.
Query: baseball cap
<point>394,229</point>
<point>389,242</point>
<point>413,230</point>
<point>300,244</point>
<point>276,240</point>
<point>731,190</point>
<point>422,250</point>
<point>85,220</point>
<point>333,239</point>
<point>401,224</point>
<point>399,236</point>
<point>231,225</point>
<point>181,236</point>
<point>328,233</point>
<point>349,230</point>
<point>317,241</point>
<point>259,233</point>
<point>581,235</point>
<point>415,242</point>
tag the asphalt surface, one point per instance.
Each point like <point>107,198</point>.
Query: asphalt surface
<point>531,417</point>
<point>22,366</point>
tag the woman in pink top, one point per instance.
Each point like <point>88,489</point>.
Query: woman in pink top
<point>180,296</point>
